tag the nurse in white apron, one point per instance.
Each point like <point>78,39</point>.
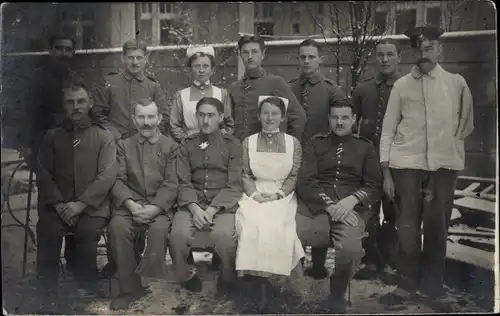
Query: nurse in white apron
<point>265,222</point>
<point>183,122</point>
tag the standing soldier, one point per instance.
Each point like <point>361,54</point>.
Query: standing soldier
<point>339,179</point>
<point>256,81</point>
<point>144,193</point>
<point>316,93</point>
<point>114,100</point>
<point>77,168</point>
<point>370,99</point>
<point>209,168</point>
<point>428,117</point>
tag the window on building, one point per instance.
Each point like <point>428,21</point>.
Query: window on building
<point>380,21</point>
<point>158,22</point>
<point>78,21</point>
<point>296,18</point>
<point>296,28</point>
<point>263,18</point>
<point>405,19</point>
<point>434,16</point>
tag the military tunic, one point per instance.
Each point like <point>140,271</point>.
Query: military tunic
<point>315,95</point>
<point>209,170</point>
<point>115,98</point>
<point>75,164</point>
<point>370,99</point>
<point>147,175</point>
<point>244,95</point>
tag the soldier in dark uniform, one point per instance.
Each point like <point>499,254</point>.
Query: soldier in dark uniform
<point>316,93</point>
<point>144,193</point>
<point>370,99</point>
<point>339,179</point>
<point>77,168</point>
<point>114,99</point>
<point>209,169</point>
<point>256,81</point>
<point>48,111</point>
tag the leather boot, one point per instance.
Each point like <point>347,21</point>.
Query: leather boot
<point>318,256</point>
<point>339,281</point>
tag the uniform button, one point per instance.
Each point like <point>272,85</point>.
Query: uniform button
<point>204,191</point>
<point>338,161</point>
<point>334,185</point>
<point>337,172</point>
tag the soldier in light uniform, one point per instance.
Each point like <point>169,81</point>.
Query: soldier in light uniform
<point>256,81</point>
<point>339,179</point>
<point>115,98</point>
<point>144,193</point>
<point>316,93</point>
<point>370,99</point>
<point>209,169</point>
<point>77,168</point>
<point>428,117</point>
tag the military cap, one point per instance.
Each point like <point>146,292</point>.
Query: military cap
<point>419,34</point>
<point>134,44</point>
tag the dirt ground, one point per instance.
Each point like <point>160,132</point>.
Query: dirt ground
<point>21,296</point>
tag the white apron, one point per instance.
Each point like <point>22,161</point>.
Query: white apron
<point>189,108</point>
<point>268,239</point>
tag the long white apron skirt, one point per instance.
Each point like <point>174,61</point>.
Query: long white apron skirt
<point>268,239</point>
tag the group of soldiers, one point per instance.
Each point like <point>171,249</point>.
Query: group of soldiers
<point>122,161</point>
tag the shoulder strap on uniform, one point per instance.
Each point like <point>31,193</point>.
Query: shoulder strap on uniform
<point>293,80</point>
<point>367,79</point>
<point>150,77</point>
<point>362,138</point>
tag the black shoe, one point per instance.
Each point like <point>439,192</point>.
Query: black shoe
<point>109,270</point>
<point>336,305</point>
<point>397,297</point>
<point>316,273</point>
<point>216,262</point>
<point>194,284</point>
<point>369,272</point>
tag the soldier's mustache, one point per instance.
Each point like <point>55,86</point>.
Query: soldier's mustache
<point>423,60</point>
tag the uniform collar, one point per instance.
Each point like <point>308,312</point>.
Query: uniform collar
<point>313,79</point>
<point>389,80</point>
<point>416,73</point>
<point>340,139</point>
<point>129,76</point>
<point>254,73</point>
<point>71,126</point>
<point>151,140</point>
<point>201,85</point>
<point>210,137</point>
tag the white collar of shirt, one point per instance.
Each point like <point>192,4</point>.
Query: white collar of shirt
<point>271,132</point>
<point>198,83</point>
<point>416,73</point>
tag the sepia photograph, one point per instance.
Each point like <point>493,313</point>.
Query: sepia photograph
<point>209,158</point>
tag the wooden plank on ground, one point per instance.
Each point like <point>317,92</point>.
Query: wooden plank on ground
<point>476,204</point>
<point>463,230</point>
<point>470,255</point>
<point>472,187</point>
<point>480,179</point>
<point>488,189</point>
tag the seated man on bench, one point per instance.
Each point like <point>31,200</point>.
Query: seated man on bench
<point>144,193</point>
<point>209,169</point>
<point>339,179</point>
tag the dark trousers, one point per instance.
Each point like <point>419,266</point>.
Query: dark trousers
<point>87,233</point>
<point>374,247</point>
<point>123,233</point>
<point>347,241</point>
<point>423,197</point>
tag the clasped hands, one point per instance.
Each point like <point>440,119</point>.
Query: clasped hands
<point>70,211</point>
<point>265,197</point>
<point>142,214</point>
<point>202,219</point>
<point>343,211</point>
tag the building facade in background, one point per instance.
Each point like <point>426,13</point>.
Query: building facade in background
<point>105,25</point>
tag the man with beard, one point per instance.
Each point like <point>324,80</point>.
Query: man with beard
<point>48,111</point>
<point>428,117</point>
<point>256,81</point>
<point>209,168</point>
<point>339,179</point>
<point>76,169</point>
<point>316,93</point>
<point>370,99</point>
<point>144,193</point>
<point>115,97</point>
